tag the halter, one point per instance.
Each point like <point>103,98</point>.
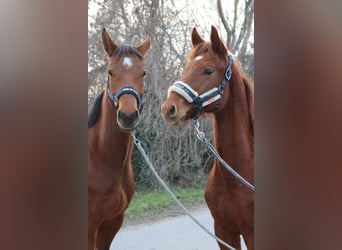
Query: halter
<point>208,97</point>
<point>124,91</point>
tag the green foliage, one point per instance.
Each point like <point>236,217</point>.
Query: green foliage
<point>146,201</point>
<point>180,159</point>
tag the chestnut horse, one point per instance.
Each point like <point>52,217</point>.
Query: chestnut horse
<point>114,115</point>
<point>212,82</point>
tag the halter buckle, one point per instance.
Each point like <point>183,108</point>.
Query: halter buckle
<point>228,73</point>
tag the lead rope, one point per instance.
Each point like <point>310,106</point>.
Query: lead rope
<point>202,138</point>
<point>168,190</point>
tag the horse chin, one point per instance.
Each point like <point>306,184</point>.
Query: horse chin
<point>127,127</point>
<point>180,123</point>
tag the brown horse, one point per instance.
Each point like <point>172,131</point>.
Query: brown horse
<point>115,114</point>
<point>208,85</point>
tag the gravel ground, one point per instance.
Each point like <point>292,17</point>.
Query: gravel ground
<point>176,232</point>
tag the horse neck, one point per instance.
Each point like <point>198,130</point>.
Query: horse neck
<point>233,137</point>
<point>116,144</point>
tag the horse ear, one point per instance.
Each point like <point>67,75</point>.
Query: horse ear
<point>216,42</point>
<point>195,37</point>
<point>144,46</point>
<point>108,44</point>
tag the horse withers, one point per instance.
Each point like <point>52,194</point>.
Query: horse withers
<point>114,115</point>
<point>212,82</point>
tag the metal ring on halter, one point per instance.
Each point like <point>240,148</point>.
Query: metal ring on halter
<point>228,73</point>
<point>221,89</point>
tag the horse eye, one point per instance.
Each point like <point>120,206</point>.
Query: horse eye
<point>208,71</point>
<point>110,73</point>
<point>144,74</point>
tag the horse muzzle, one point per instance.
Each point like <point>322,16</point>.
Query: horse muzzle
<point>174,111</point>
<point>127,121</point>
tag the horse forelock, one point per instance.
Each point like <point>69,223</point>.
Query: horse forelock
<point>202,48</point>
<point>127,50</point>
<point>199,50</point>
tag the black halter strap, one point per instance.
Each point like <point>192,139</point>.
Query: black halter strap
<point>126,91</point>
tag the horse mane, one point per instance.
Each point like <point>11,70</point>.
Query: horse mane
<point>249,92</point>
<point>203,48</point>
<point>95,111</point>
<point>127,50</point>
<point>249,89</point>
<point>199,49</point>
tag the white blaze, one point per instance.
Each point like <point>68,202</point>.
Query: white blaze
<point>127,62</point>
<point>198,58</point>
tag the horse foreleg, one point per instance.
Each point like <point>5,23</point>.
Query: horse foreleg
<point>107,232</point>
<point>228,236</point>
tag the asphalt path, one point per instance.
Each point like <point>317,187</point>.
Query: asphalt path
<point>176,233</point>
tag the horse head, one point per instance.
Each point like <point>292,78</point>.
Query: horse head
<point>201,87</point>
<point>125,86</point>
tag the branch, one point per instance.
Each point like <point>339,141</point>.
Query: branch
<point>246,28</point>
<point>224,21</point>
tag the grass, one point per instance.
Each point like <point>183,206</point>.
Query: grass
<point>156,200</point>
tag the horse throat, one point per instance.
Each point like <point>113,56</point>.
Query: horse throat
<point>114,144</point>
<point>233,137</point>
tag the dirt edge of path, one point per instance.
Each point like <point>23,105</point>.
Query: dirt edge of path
<point>155,215</point>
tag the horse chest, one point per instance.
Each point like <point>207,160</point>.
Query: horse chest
<point>109,196</point>
<point>223,190</point>
<point>107,180</point>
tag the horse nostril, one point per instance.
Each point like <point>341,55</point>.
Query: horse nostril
<point>121,115</point>
<point>131,118</point>
<point>134,116</point>
<point>172,111</point>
